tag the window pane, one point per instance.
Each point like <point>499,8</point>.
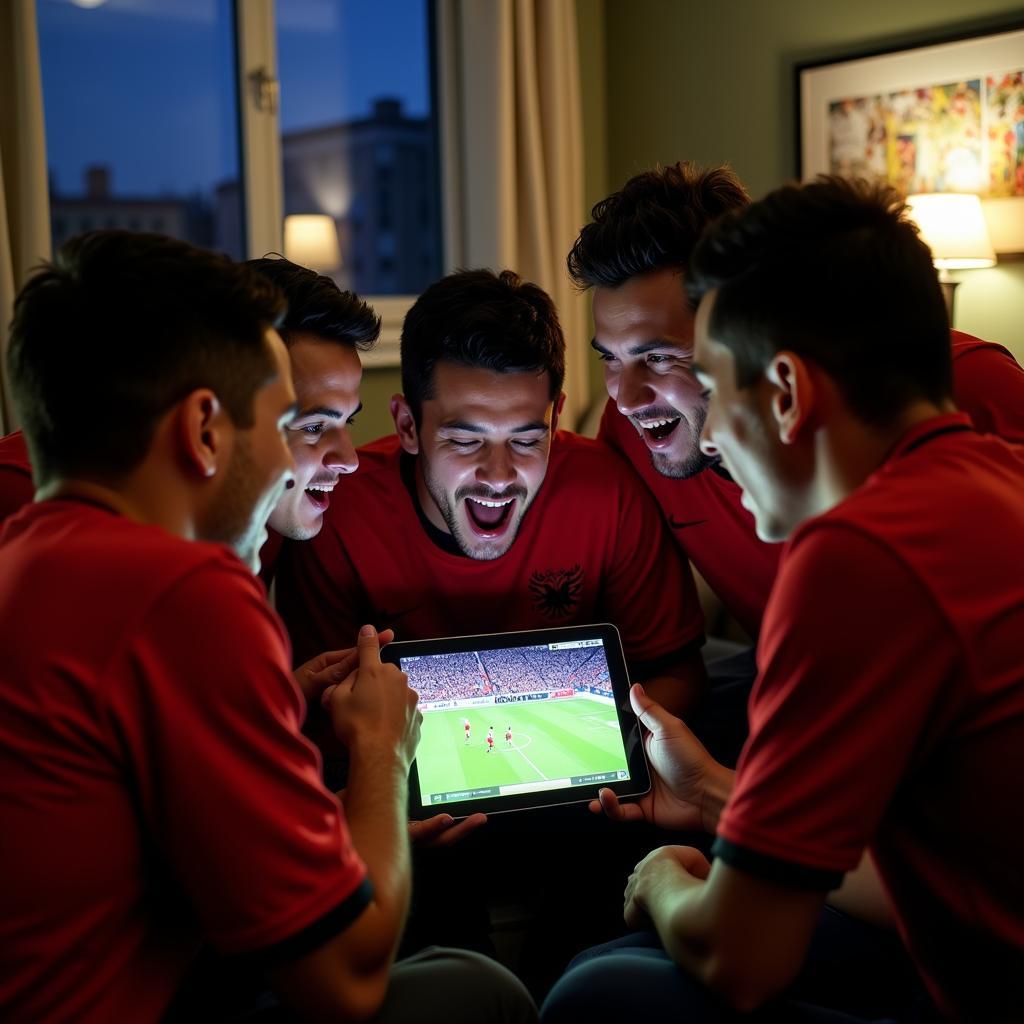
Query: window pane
<point>142,118</point>
<point>358,137</point>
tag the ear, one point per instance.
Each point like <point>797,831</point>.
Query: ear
<point>793,394</point>
<point>559,403</point>
<point>200,432</point>
<point>405,424</point>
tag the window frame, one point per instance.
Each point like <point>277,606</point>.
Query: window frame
<point>262,177</point>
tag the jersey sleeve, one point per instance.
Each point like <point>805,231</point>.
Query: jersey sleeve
<point>649,591</point>
<point>988,384</point>
<point>853,657</point>
<point>319,595</point>
<point>230,790</point>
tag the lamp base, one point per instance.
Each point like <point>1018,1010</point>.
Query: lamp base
<point>949,287</point>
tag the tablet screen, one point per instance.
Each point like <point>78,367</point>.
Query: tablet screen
<point>519,720</point>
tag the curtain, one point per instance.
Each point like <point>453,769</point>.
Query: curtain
<point>512,152</point>
<point>24,202</point>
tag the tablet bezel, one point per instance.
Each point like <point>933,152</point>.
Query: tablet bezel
<point>638,782</point>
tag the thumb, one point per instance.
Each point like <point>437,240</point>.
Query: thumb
<point>368,646</point>
<point>653,716</point>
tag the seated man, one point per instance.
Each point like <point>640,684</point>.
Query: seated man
<point>324,330</point>
<point>905,743</point>
<point>636,256</point>
<point>481,517</point>
<point>149,723</point>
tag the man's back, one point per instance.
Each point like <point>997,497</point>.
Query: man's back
<point>891,711</point>
<point>591,545</point>
<point>155,781</point>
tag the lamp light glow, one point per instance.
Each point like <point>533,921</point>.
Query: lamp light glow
<point>311,240</point>
<point>953,227</point>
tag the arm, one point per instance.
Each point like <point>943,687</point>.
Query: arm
<point>863,895</point>
<point>713,923</point>
<point>373,712</point>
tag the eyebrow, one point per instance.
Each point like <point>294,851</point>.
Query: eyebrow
<point>323,410</point>
<point>636,350</point>
<point>473,428</point>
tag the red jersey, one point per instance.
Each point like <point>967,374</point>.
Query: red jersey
<point>717,534</point>
<point>988,384</point>
<point>889,711</point>
<point>156,786</point>
<point>591,547</point>
<point>710,526</point>
<point>16,486</point>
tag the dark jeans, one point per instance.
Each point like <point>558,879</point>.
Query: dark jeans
<point>853,974</point>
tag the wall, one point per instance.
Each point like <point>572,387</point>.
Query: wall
<point>713,82</point>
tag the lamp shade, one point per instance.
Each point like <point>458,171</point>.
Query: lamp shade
<point>953,227</point>
<point>311,240</point>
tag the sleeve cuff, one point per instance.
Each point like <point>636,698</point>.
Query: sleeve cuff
<point>773,869</point>
<point>313,936</point>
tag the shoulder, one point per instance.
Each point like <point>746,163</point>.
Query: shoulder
<point>578,459</point>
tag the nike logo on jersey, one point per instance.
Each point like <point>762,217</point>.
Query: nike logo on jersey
<point>682,524</point>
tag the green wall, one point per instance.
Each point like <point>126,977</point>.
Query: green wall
<point>714,82</point>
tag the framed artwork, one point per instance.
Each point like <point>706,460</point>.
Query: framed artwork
<point>941,118</point>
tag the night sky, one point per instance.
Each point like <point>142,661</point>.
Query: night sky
<point>147,86</point>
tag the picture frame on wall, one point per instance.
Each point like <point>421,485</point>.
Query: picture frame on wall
<point>945,117</point>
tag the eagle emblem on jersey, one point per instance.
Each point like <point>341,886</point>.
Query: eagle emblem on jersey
<point>557,592</point>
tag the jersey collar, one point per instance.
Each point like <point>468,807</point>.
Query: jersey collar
<point>925,431</point>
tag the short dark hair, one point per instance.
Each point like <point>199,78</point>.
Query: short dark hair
<point>317,305</point>
<point>652,222</point>
<point>118,328</point>
<point>834,271</point>
<point>479,318</point>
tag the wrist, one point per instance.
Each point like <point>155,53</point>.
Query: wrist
<point>718,783</point>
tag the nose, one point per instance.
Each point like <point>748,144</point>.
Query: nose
<point>633,392</point>
<point>497,469</point>
<point>341,456</point>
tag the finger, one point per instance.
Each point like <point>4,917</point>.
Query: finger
<point>424,831</point>
<point>386,636</point>
<point>459,830</point>
<point>617,811</point>
<point>369,646</point>
<point>654,717</point>
<point>337,690</point>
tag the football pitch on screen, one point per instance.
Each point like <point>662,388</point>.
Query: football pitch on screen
<point>571,737</point>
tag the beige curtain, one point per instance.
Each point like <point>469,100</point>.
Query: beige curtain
<point>512,151</point>
<point>24,202</point>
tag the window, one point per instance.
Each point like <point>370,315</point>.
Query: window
<point>358,136</point>
<point>142,118</point>
<point>211,120</point>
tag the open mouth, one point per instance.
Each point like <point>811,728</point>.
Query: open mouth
<point>319,496</point>
<point>657,433</point>
<point>489,518</point>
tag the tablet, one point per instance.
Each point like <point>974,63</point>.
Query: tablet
<point>513,721</point>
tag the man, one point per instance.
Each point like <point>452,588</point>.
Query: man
<point>324,330</point>
<point>905,743</point>
<point>145,688</point>
<point>636,257</point>
<point>480,517</point>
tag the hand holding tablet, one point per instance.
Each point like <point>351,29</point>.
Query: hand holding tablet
<point>521,720</point>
